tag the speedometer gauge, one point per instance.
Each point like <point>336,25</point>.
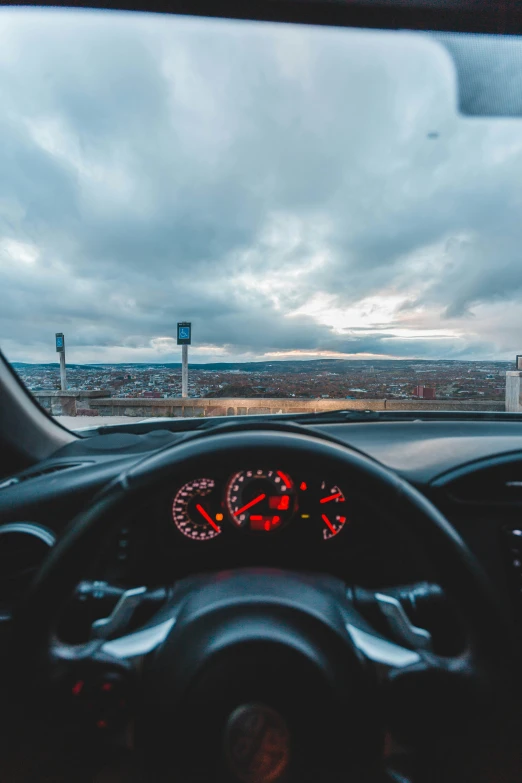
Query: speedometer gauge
<point>194,510</point>
<point>331,509</point>
<point>260,500</point>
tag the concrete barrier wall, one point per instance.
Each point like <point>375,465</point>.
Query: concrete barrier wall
<point>70,403</point>
<point>100,403</point>
<point>221,407</point>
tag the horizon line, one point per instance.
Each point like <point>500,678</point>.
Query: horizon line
<point>261,361</point>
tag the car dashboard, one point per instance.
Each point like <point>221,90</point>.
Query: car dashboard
<point>268,519</point>
<point>255,517</point>
<point>264,515</point>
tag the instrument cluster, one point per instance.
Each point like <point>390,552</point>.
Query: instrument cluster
<point>259,502</point>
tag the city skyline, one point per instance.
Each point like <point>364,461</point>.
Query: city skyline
<point>295,192</point>
<point>317,379</point>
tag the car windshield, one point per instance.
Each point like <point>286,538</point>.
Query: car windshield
<point>302,214</point>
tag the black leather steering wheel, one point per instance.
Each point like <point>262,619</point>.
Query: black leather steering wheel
<point>262,675</point>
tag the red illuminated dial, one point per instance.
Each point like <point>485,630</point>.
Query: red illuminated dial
<point>331,509</point>
<point>195,511</point>
<point>260,500</point>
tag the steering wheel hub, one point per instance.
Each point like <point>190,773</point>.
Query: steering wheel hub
<point>256,676</point>
<point>257,744</point>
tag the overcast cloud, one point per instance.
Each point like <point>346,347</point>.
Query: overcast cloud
<point>294,192</point>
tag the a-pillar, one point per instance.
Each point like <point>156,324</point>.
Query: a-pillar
<point>513,391</point>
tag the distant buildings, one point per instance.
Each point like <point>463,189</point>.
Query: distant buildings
<point>425,392</point>
<point>329,379</point>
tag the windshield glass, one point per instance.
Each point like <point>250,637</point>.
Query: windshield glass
<point>300,213</point>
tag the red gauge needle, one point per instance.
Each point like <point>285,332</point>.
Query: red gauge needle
<point>329,524</point>
<point>331,497</point>
<point>249,505</point>
<point>207,517</point>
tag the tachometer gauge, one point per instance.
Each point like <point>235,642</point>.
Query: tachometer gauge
<point>260,500</point>
<point>331,509</point>
<point>196,512</point>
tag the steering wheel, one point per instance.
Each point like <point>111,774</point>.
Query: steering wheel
<point>265,676</point>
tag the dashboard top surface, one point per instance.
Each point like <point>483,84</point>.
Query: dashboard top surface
<point>421,451</point>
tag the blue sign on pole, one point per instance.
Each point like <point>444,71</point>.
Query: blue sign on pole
<point>184,333</point>
<point>60,342</point>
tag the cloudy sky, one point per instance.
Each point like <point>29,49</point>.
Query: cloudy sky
<point>294,192</point>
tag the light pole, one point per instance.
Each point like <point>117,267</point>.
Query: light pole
<point>184,370</point>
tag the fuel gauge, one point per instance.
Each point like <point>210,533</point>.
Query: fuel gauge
<point>331,509</point>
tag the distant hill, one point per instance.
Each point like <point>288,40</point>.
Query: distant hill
<point>289,366</point>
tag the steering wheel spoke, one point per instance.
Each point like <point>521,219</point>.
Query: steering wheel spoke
<point>379,651</point>
<point>94,684</point>
<point>437,699</point>
<point>135,646</point>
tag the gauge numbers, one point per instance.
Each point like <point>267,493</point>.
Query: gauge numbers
<point>195,512</point>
